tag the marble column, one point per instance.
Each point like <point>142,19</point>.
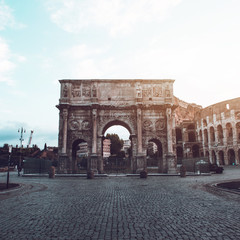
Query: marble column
<point>169,130</point>
<point>94,158</point>
<point>141,157</point>
<point>234,130</point>
<point>139,130</point>
<point>94,139</point>
<point>170,156</point>
<point>65,122</point>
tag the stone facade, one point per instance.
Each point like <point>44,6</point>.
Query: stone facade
<point>212,132</point>
<point>87,108</point>
<point>151,113</point>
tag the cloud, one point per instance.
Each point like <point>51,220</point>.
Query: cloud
<point>7,58</point>
<point>8,62</point>
<point>6,17</point>
<point>82,51</point>
<point>117,17</point>
<point>84,61</point>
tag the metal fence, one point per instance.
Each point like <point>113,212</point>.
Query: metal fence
<point>117,165</point>
<point>36,165</point>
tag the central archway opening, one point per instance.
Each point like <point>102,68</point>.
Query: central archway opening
<point>116,148</point>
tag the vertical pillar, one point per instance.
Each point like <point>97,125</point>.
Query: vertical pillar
<point>226,158</point>
<point>141,157</point>
<point>234,129</point>
<point>64,144</point>
<point>173,132</point>
<point>93,161</point>
<point>134,166</point>
<point>225,136</point>
<point>100,153</point>
<point>94,121</point>
<point>217,157</point>
<point>169,130</point>
<point>170,156</point>
<point>203,138</point>
<point>139,130</point>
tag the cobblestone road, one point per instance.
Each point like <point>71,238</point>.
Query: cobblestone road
<point>119,208</point>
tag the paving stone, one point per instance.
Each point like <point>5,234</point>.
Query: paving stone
<point>120,208</point>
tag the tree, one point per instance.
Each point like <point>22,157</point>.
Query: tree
<point>116,143</point>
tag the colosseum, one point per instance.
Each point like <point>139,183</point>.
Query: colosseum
<point>212,132</point>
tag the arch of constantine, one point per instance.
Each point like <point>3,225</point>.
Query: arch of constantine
<point>145,107</point>
<point>148,109</point>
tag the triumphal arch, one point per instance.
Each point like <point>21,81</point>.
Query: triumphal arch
<point>87,108</point>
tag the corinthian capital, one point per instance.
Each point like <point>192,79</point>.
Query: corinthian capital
<point>65,114</point>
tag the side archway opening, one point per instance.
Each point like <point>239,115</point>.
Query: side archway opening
<point>80,154</point>
<point>154,154</point>
<point>231,157</point>
<point>179,155</point>
<point>195,151</point>
<point>221,158</point>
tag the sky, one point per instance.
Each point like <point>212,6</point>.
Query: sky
<point>197,43</point>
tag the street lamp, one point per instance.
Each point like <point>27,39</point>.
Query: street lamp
<point>21,136</point>
<point>9,157</point>
<point>21,145</point>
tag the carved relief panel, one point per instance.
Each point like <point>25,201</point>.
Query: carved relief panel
<point>157,90</point>
<point>154,122</point>
<point>83,90</point>
<point>147,91</point>
<point>76,90</point>
<point>86,90</point>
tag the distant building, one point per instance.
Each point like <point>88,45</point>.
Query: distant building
<point>106,148</point>
<point>126,145</point>
<point>83,150</point>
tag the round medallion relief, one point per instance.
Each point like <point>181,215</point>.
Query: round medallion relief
<point>74,125</point>
<point>147,125</point>
<point>160,124</point>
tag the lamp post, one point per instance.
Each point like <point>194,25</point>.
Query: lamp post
<point>9,157</point>
<point>21,136</point>
<point>21,145</point>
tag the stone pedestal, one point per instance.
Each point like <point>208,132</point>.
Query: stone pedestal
<point>92,163</point>
<point>100,164</point>
<point>141,163</point>
<point>171,164</point>
<point>63,162</point>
